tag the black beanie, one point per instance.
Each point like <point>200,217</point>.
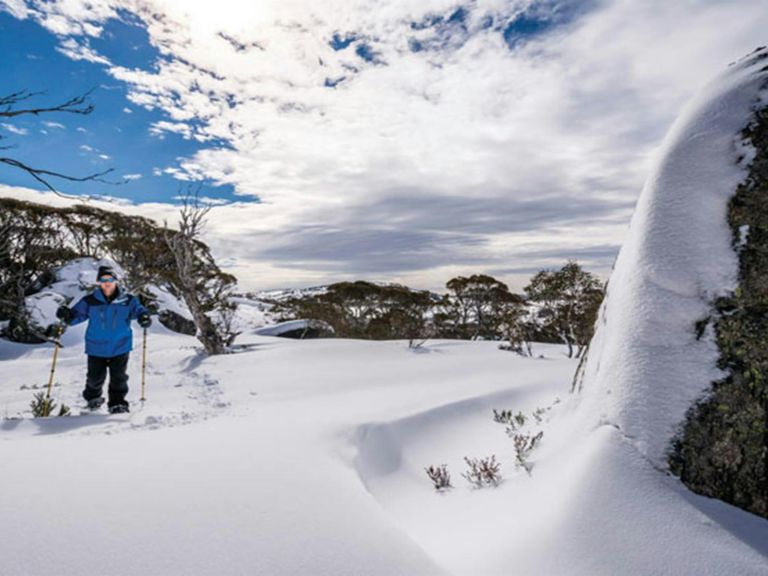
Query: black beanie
<point>105,271</point>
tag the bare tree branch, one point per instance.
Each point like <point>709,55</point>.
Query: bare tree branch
<point>76,105</point>
<point>16,97</point>
<point>39,174</point>
<point>202,287</point>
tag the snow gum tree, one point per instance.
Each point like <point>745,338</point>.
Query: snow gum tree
<point>203,287</point>
<point>480,305</point>
<point>367,310</point>
<point>568,300</point>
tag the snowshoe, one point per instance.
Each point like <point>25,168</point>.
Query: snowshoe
<point>95,403</point>
<point>119,409</point>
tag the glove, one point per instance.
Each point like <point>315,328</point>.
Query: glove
<point>144,320</point>
<point>64,314</point>
<point>55,330</point>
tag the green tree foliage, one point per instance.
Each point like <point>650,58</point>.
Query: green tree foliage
<point>366,310</point>
<point>477,306</point>
<point>37,238</point>
<point>568,301</point>
<point>480,306</point>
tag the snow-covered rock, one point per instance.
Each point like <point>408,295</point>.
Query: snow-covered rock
<point>72,281</point>
<point>645,366</point>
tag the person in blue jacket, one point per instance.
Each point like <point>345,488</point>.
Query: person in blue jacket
<point>108,339</point>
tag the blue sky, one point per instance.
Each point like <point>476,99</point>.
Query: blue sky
<point>76,144</point>
<point>400,141</point>
<point>117,135</point>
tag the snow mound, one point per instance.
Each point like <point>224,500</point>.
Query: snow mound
<point>645,366</point>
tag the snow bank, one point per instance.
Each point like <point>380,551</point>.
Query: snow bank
<point>645,366</point>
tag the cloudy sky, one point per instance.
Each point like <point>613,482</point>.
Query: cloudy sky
<point>389,140</point>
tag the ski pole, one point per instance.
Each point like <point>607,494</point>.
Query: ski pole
<point>143,364</point>
<point>56,346</point>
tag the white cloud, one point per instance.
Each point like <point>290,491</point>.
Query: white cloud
<point>58,125</point>
<point>80,50</point>
<point>468,158</point>
<point>17,8</point>
<point>158,128</point>
<point>15,129</point>
<point>90,149</point>
<point>130,177</point>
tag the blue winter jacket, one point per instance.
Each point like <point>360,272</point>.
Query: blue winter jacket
<point>109,323</point>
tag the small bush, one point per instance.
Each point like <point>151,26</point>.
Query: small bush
<point>524,445</point>
<point>440,477</point>
<point>43,406</point>
<point>513,421</point>
<point>483,472</point>
<point>503,417</point>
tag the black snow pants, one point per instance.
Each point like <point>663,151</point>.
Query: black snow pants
<point>118,379</point>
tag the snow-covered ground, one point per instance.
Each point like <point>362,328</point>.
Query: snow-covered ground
<point>290,457</point>
<point>307,457</point>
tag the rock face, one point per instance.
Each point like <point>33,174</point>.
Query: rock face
<point>722,450</point>
<point>654,355</point>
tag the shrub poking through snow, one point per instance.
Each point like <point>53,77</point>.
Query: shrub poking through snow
<point>524,442</point>
<point>43,407</point>
<point>513,421</point>
<point>524,445</point>
<point>503,417</point>
<point>440,477</point>
<point>483,472</point>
